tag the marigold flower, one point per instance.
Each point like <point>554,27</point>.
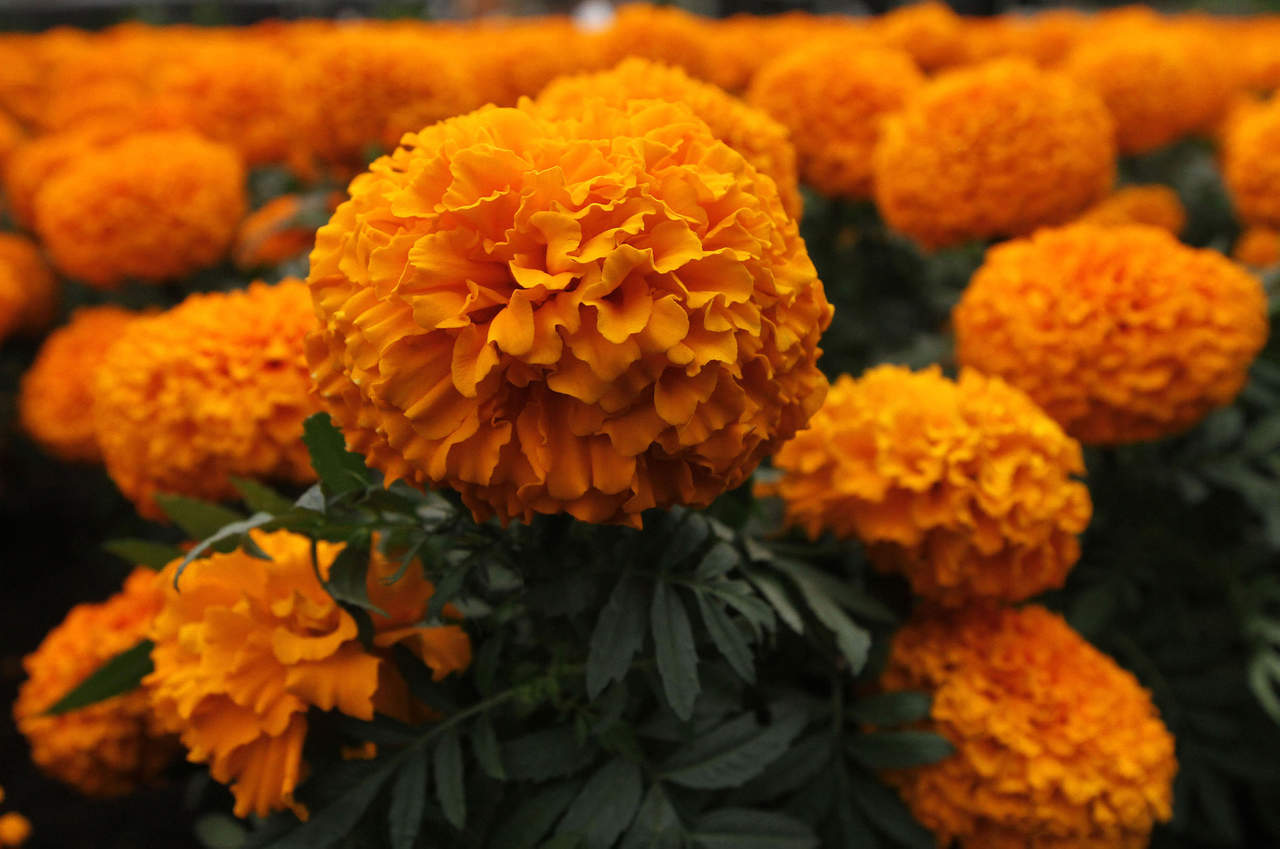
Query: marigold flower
<point>507,60</point>
<point>28,292</point>
<point>281,229</point>
<point>1154,205</point>
<point>14,829</point>
<point>1045,38</point>
<point>57,391</point>
<point>1258,247</point>
<point>833,96</point>
<point>965,487</point>
<point>1121,334</point>
<point>164,205</point>
<point>245,646</point>
<point>213,388</point>
<point>108,748</point>
<point>665,34</point>
<point>759,138</point>
<point>1248,164</point>
<point>594,315</point>
<point>1057,747</point>
<point>993,150</point>
<point>32,164</point>
<point>11,137</point>
<point>929,31</point>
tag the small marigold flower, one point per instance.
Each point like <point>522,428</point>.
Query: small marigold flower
<point>595,315</point>
<point>751,132</point>
<point>213,388</point>
<point>164,205</point>
<point>965,487</point>
<point>1121,334</point>
<point>1154,206</point>
<point>993,150</point>
<point>281,229</point>
<point>28,292</point>
<point>1249,164</point>
<point>108,748</point>
<point>833,95</point>
<point>1057,747</point>
<point>245,646</point>
<point>1258,247</point>
<point>930,32</point>
<point>15,829</point>
<point>56,398</point>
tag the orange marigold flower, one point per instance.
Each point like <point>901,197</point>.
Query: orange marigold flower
<point>33,163</point>
<point>164,205</point>
<point>929,31</point>
<point>993,150</point>
<point>665,34</point>
<point>28,292</point>
<point>56,398</point>
<point>14,829</point>
<point>213,388</point>
<point>1249,163</point>
<point>833,95</point>
<point>1154,205</point>
<point>1045,38</point>
<point>245,646</point>
<point>281,229</point>
<point>507,60</point>
<point>751,132</point>
<point>1258,247</point>
<point>108,748</point>
<point>1057,747</point>
<point>965,487</point>
<point>594,315</point>
<point>11,137</point>
<point>1121,334</point>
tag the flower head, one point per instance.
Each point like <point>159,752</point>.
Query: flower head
<point>244,647</point>
<point>1057,747</point>
<point>993,150</point>
<point>666,34</point>
<point>215,387</point>
<point>14,829</point>
<point>595,315</point>
<point>966,487</point>
<point>1258,247</point>
<point>929,31</point>
<point>163,205</point>
<point>28,292</point>
<point>108,748</point>
<point>1249,164</point>
<point>1153,205</point>
<point>1121,334</point>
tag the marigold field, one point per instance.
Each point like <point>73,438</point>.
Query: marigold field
<point>639,430</point>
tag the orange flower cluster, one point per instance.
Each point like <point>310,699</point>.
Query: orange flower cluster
<point>244,647</point>
<point>1154,206</point>
<point>108,748</point>
<point>1258,247</point>
<point>761,140</point>
<point>965,487</point>
<point>154,206</point>
<point>1121,334</point>
<point>56,400</point>
<point>212,388</point>
<point>28,292</point>
<point>833,96</point>
<point>1057,747</point>
<point>595,315</point>
<point>994,150</point>
<point>1249,167</point>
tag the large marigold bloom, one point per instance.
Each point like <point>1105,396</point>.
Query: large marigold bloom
<point>833,95</point>
<point>965,487</point>
<point>1121,334</point>
<point>244,647</point>
<point>108,748</point>
<point>751,132</point>
<point>56,398</point>
<point>1057,747</point>
<point>164,205</point>
<point>213,388</point>
<point>1249,163</point>
<point>28,291</point>
<point>1258,247</point>
<point>993,150</point>
<point>595,315</point>
<point>1153,205</point>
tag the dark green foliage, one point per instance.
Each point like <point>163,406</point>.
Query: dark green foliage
<point>122,673</point>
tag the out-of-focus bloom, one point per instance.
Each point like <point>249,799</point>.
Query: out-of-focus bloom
<point>594,315</point>
<point>28,292</point>
<point>1057,747</point>
<point>833,96</point>
<point>11,137</point>
<point>665,34</point>
<point>163,205</point>
<point>14,829</point>
<point>108,748</point>
<point>929,31</point>
<point>965,487</point>
<point>32,164</point>
<point>993,150</point>
<point>244,647</point>
<point>759,138</point>
<point>1121,334</point>
<point>213,388</point>
<point>1045,38</point>
<point>1249,164</point>
<point>507,60</point>
<point>1258,247</point>
<point>56,399</point>
<point>1154,205</point>
<point>281,229</point>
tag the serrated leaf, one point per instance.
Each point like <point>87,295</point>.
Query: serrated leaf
<point>899,749</point>
<point>735,752</point>
<point>853,640</point>
<point>549,753</point>
<point>797,766</point>
<point>484,744</point>
<point>887,812</point>
<point>408,801</point>
<point>198,519</point>
<point>143,552</point>
<point>606,805</point>
<point>120,674</point>
<point>739,828</point>
<point>618,635</point>
<point>533,818</point>
<point>719,561</point>
<point>891,708</point>
<point>340,471</point>
<point>688,536</point>
<point>776,595</point>
<point>348,578</point>
<point>657,825</point>
<point>728,638</point>
<point>673,644</point>
<point>261,498</point>
<point>335,820</point>
<point>451,791</point>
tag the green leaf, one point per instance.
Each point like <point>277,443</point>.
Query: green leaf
<point>143,552</point>
<point>1264,681</point>
<point>120,674</point>
<point>735,752</point>
<point>657,825</point>
<point>348,578</point>
<point>235,530</point>
<point>484,744</point>
<point>776,595</point>
<point>606,805</point>
<point>618,635</point>
<point>408,801</point>
<point>899,749</point>
<point>739,828</point>
<point>797,767</point>
<point>219,831</point>
<point>689,535</point>
<point>886,811</point>
<point>891,708</point>
<point>334,821</point>
<point>728,638</point>
<point>340,471</point>
<point>674,646</point>
<point>719,561</point>
<point>549,753</point>
<point>533,818</point>
<point>451,790</point>
<point>261,498</point>
<point>198,519</point>
<point>853,640</point>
